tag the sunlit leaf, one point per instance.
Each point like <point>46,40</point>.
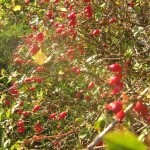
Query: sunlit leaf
<point>123,140</point>
<point>17,8</point>
<point>40,58</point>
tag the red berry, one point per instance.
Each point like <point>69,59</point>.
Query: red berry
<point>74,69</point>
<point>117,88</point>
<point>20,124</point>
<point>91,85</point>
<point>99,143</point>
<point>138,107</point>
<point>115,68</point>
<point>148,119</point>
<point>19,111</point>
<point>36,108</point>
<point>78,71</point>
<point>49,14</point>
<point>96,32</point>
<point>62,115</point>
<point>144,111</point>
<point>21,103</point>
<point>117,106</point>
<point>52,116</point>
<point>112,20</point>
<point>72,16</point>
<point>109,106</point>
<point>131,4</point>
<point>82,51</point>
<point>56,143</point>
<point>115,79</point>
<point>30,35</point>
<point>120,115</point>
<point>59,30</point>
<point>7,102</point>
<point>77,95</point>
<point>86,1</point>
<point>55,1</point>
<point>25,113</point>
<point>39,37</point>
<point>32,89</point>
<point>40,130</point>
<point>37,125</point>
<point>21,129</point>
<point>87,98</point>
<point>27,1</point>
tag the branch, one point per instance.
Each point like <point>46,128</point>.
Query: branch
<point>110,126</point>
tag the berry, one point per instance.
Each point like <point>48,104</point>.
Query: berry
<point>62,115</point>
<point>56,143</point>
<point>115,79</point>
<point>148,119</point>
<point>20,124</point>
<point>115,68</point>
<point>78,71</point>
<point>32,89</point>
<point>7,102</point>
<point>40,130</point>
<point>36,108</point>
<point>91,85</point>
<point>117,88</point>
<point>138,107</point>
<point>99,143</point>
<point>144,111</point>
<point>19,112</point>
<point>87,98</point>
<point>109,106</point>
<point>131,4</point>
<point>96,32</point>
<point>37,125</point>
<point>52,116</point>
<point>120,115</point>
<point>117,106</point>
<point>77,95</point>
<point>112,20</point>
<point>21,129</point>
<point>59,30</point>
<point>72,16</point>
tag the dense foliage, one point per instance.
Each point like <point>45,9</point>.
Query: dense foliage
<point>74,67</point>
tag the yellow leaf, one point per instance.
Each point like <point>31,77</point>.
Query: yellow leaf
<point>13,2</point>
<point>17,8</point>
<point>63,9</point>
<point>40,57</point>
<point>124,96</point>
<point>60,72</point>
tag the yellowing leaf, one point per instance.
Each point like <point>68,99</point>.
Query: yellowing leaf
<point>63,9</point>
<point>17,8</point>
<point>40,57</point>
<point>60,72</point>
<point>13,2</point>
<point>124,96</point>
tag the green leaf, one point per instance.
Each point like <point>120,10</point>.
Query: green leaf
<point>80,120</point>
<point>123,140</point>
<point>78,143</point>
<point>128,54</point>
<point>138,9</point>
<point>3,72</point>
<point>100,124</point>
<point>83,133</point>
<point>8,113</point>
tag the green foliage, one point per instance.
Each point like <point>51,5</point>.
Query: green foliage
<point>123,140</point>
